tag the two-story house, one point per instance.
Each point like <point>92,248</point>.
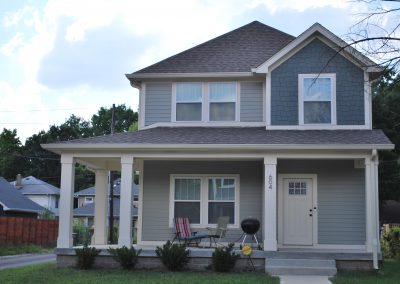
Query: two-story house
<point>255,122</point>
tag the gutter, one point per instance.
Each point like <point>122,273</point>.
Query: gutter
<point>132,146</point>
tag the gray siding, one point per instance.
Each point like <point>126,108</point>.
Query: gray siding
<point>156,182</point>
<point>313,59</point>
<point>251,101</point>
<point>341,199</point>
<point>158,99</point>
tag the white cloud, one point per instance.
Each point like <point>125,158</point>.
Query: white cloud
<point>300,5</point>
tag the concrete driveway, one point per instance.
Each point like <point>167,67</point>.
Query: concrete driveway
<point>19,260</point>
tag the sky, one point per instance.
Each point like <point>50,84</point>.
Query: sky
<point>63,57</point>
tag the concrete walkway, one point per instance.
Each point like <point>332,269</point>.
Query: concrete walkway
<point>304,279</point>
<point>19,260</point>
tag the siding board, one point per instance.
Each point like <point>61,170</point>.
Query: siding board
<point>341,199</point>
<point>251,101</point>
<point>158,103</point>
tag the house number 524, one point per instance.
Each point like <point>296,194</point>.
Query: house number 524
<point>270,182</point>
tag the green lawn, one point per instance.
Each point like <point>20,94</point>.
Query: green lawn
<point>389,274</point>
<point>20,249</point>
<point>49,273</point>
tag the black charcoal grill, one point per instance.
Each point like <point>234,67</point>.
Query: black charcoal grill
<point>250,227</point>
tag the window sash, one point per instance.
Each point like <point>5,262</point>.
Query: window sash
<point>225,202</point>
<point>317,99</point>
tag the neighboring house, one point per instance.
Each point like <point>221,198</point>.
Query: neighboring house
<point>86,197</point>
<point>15,204</point>
<point>86,213</point>
<point>255,123</point>
<point>40,192</point>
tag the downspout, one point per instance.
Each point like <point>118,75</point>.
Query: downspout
<point>375,241</point>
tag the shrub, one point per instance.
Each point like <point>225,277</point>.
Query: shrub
<point>86,256</point>
<point>173,256</point>
<point>127,257</point>
<point>82,234</point>
<point>390,242</point>
<point>224,259</point>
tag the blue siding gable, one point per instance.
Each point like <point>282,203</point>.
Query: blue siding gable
<point>313,59</point>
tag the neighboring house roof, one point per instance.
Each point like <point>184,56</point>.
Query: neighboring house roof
<point>32,185</point>
<point>117,190</point>
<point>237,51</point>
<point>13,200</point>
<point>88,210</point>
<point>253,137</point>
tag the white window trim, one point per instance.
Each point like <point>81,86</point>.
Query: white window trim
<point>204,198</point>
<point>301,78</point>
<point>206,103</point>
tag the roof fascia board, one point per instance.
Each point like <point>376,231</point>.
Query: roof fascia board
<point>317,28</point>
<point>188,75</point>
<point>130,146</point>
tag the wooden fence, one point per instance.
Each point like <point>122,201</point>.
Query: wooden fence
<point>387,227</point>
<point>20,230</point>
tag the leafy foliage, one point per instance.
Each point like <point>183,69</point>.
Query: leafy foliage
<point>82,234</point>
<point>32,159</point>
<point>11,162</point>
<point>86,256</point>
<point>390,242</point>
<point>224,258</point>
<point>386,116</point>
<point>127,257</point>
<point>173,256</point>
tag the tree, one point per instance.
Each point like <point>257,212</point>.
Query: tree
<point>11,161</point>
<point>46,165</point>
<point>386,116</point>
<point>101,122</point>
<point>377,33</point>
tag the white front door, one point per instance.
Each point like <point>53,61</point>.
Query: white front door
<point>297,211</point>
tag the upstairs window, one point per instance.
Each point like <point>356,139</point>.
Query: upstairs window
<point>317,99</point>
<point>189,97</point>
<point>222,97</point>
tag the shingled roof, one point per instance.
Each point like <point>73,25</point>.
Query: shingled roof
<point>177,136</point>
<point>236,51</point>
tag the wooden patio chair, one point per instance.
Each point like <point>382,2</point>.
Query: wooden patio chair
<point>220,231</point>
<point>184,234</point>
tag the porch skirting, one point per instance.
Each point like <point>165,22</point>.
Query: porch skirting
<point>200,259</point>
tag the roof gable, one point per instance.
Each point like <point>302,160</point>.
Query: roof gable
<point>237,51</point>
<point>329,38</point>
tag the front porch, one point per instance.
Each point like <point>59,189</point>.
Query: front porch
<point>343,181</point>
<point>200,258</point>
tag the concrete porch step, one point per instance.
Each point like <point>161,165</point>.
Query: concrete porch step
<point>276,266</point>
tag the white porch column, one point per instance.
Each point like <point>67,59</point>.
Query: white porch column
<point>125,215</point>
<point>270,215</point>
<point>372,206</point>
<point>100,207</point>
<point>66,202</point>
